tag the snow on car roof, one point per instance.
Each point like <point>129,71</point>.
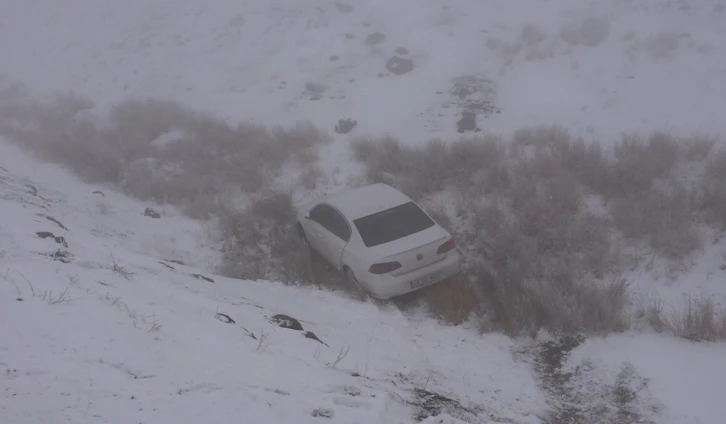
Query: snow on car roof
<point>363,201</point>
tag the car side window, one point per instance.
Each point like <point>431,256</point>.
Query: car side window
<point>320,214</point>
<point>332,220</point>
<point>341,227</point>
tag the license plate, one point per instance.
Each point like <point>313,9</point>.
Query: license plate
<point>423,281</point>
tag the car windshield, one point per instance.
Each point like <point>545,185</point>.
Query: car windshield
<point>392,224</point>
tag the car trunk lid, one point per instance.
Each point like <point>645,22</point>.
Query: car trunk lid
<point>415,251</point>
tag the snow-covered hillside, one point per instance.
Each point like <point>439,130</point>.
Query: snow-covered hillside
<point>122,326</point>
<point>110,315</point>
<point>113,329</point>
<point>597,67</point>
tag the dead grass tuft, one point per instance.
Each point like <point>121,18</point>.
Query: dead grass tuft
<point>697,320</point>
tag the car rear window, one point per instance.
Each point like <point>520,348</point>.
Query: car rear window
<point>392,224</point>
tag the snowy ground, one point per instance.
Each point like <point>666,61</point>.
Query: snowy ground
<point>120,332</point>
<point>597,67</point>
<point>114,329</point>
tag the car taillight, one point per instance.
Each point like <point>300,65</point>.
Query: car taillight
<point>384,268</point>
<point>449,245</point>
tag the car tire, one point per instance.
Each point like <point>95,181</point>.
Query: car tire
<point>350,278</point>
<point>302,235</point>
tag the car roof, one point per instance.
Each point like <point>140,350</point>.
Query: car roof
<point>363,201</point>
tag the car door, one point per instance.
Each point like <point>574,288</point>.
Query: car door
<point>331,233</point>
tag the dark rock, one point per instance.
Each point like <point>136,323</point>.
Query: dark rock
<point>431,404</point>
<point>201,277</point>
<point>375,39</point>
<point>475,93</point>
<point>315,87</point>
<point>224,318</point>
<point>323,413</point>
<point>176,261</point>
<point>47,234</point>
<point>334,57</point>
<point>344,126</point>
<point>151,213</point>
<point>311,335</point>
<point>58,223</point>
<point>168,266</point>
<point>344,7</point>
<point>286,321</point>
<point>402,50</point>
<point>399,65</point>
<point>467,122</point>
<point>61,255</point>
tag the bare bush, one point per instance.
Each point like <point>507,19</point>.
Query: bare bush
<point>524,220</point>
<point>453,301</point>
<point>159,150</point>
<point>697,320</point>
<point>548,216</point>
<point>650,309</point>
<point>263,242</point>
<point>712,196</point>
<point>591,32</point>
<point>515,306</point>
<point>663,217</point>
<point>430,168</point>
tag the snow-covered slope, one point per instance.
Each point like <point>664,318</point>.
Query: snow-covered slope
<point>121,325</point>
<point>598,67</point>
<point>115,331</point>
<point>113,328</point>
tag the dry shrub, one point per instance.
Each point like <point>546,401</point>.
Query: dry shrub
<point>712,199</point>
<point>263,242</point>
<point>663,217</point>
<point>427,169</point>
<point>638,165</point>
<point>523,219</point>
<point>452,301</point>
<point>516,306</point>
<point>311,176</point>
<point>650,310</point>
<point>591,32</point>
<point>159,150</point>
<point>547,214</point>
<point>697,320</point>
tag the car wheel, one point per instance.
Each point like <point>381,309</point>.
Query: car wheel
<point>350,278</point>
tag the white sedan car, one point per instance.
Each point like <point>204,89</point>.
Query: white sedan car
<point>379,239</point>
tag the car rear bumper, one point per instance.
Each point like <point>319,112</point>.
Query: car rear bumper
<point>388,286</point>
